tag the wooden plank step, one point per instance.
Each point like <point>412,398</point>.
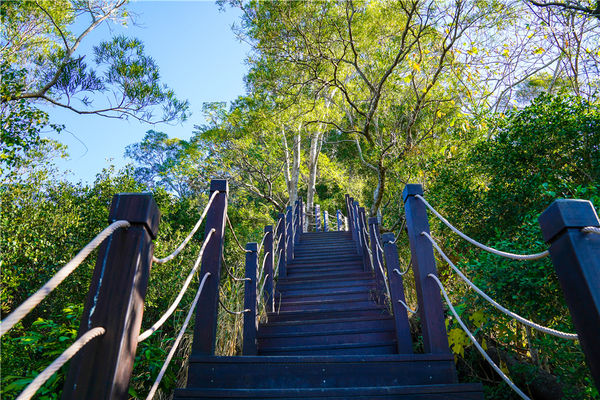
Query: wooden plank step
<point>321,371</point>
<point>326,338</point>
<point>341,296</point>
<point>307,316</point>
<point>334,288</point>
<point>310,275</point>
<point>340,259</point>
<point>351,277</point>
<point>325,306</point>
<point>326,264</point>
<point>332,325</point>
<point>376,347</point>
<point>421,392</point>
<point>322,270</point>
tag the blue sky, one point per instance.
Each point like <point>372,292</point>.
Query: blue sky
<point>199,57</point>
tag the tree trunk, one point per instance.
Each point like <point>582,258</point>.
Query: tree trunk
<point>313,161</point>
<point>379,190</point>
<point>291,177</point>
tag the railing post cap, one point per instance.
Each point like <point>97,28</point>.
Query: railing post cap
<point>281,215</point>
<point>355,202</point>
<point>252,246</point>
<point>411,189</point>
<point>289,208</point>
<point>219,184</point>
<point>268,228</point>
<point>373,221</point>
<point>566,213</point>
<point>361,209</point>
<point>387,237</point>
<point>137,208</point>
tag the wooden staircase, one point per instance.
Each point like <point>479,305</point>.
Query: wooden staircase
<point>328,338</point>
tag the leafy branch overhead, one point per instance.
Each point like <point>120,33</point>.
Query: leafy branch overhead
<point>121,81</point>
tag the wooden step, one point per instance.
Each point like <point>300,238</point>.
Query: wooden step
<point>325,306</point>
<point>331,325</point>
<point>368,348</point>
<point>370,335</point>
<point>333,288</point>
<point>321,371</point>
<point>465,391</point>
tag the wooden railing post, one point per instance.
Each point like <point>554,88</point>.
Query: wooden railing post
<point>281,237</point>
<point>249,330</point>
<point>364,244</point>
<point>356,222</point>
<point>325,221</point>
<point>403,339</point>
<point>576,259</point>
<point>428,293</point>
<point>377,258</point>
<point>298,224</point>
<point>338,216</point>
<point>317,218</point>
<point>268,288</point>
<point>289,239</point>
<point>304,219</point>
<point>205,327</point>
<point>115,301</point>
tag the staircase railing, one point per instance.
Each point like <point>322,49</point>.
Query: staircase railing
<point>570,227</point>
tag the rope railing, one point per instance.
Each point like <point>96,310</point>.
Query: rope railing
<point>177,300</point>
<point>47,373</point>
<point>481,245</point>
<point>591,229</point>
<point>235,278</point>
<point>228,311</point>
<point>177,340</point>
<point>235,236</point>
<point>410,310</point>
<point>550,331</point>
<point>262,241</point>
<point>189,236</point>
<point>504,377</point>
<point>25,308</point>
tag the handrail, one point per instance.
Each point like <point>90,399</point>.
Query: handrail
<point>28,305</point>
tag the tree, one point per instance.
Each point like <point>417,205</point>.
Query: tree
<point>40,65</point>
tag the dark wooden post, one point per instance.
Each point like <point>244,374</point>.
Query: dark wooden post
<point>325,221</point>
<point>304,224</point>
<point>403,339</point>
<point>356,221</point>
<point>428,293</point>
<point>317,218</point>
<point>364,239</point>
<point>347,198</point>
<point>281,235</point>
<point>377,258</point>
<point>205,328</point>
<point>338,216</point>
<point>249,340</point>
<point>297,221</point>
<point>351,219</point>
<point>115,301</point>
<point>576,259</point>
<point>268,288</point>
<point>289,239</point>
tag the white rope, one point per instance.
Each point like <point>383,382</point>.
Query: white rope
<point>563,335</point>
<point>262,268</point>
<point>39,380</point>
<point>235,236</point>
<point>410,310</point>
<point>476,344</point>
<point>591,229</point>
<point>235,278</point>
<point>189,236</point>
<point>177,300</point>
<point>396,270</point>
<point>227,310</point>
<point>177,340</point>
<point>263,286</point>
<point>481,245</point>
<point>262,242</point>
<point>25,308</point>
